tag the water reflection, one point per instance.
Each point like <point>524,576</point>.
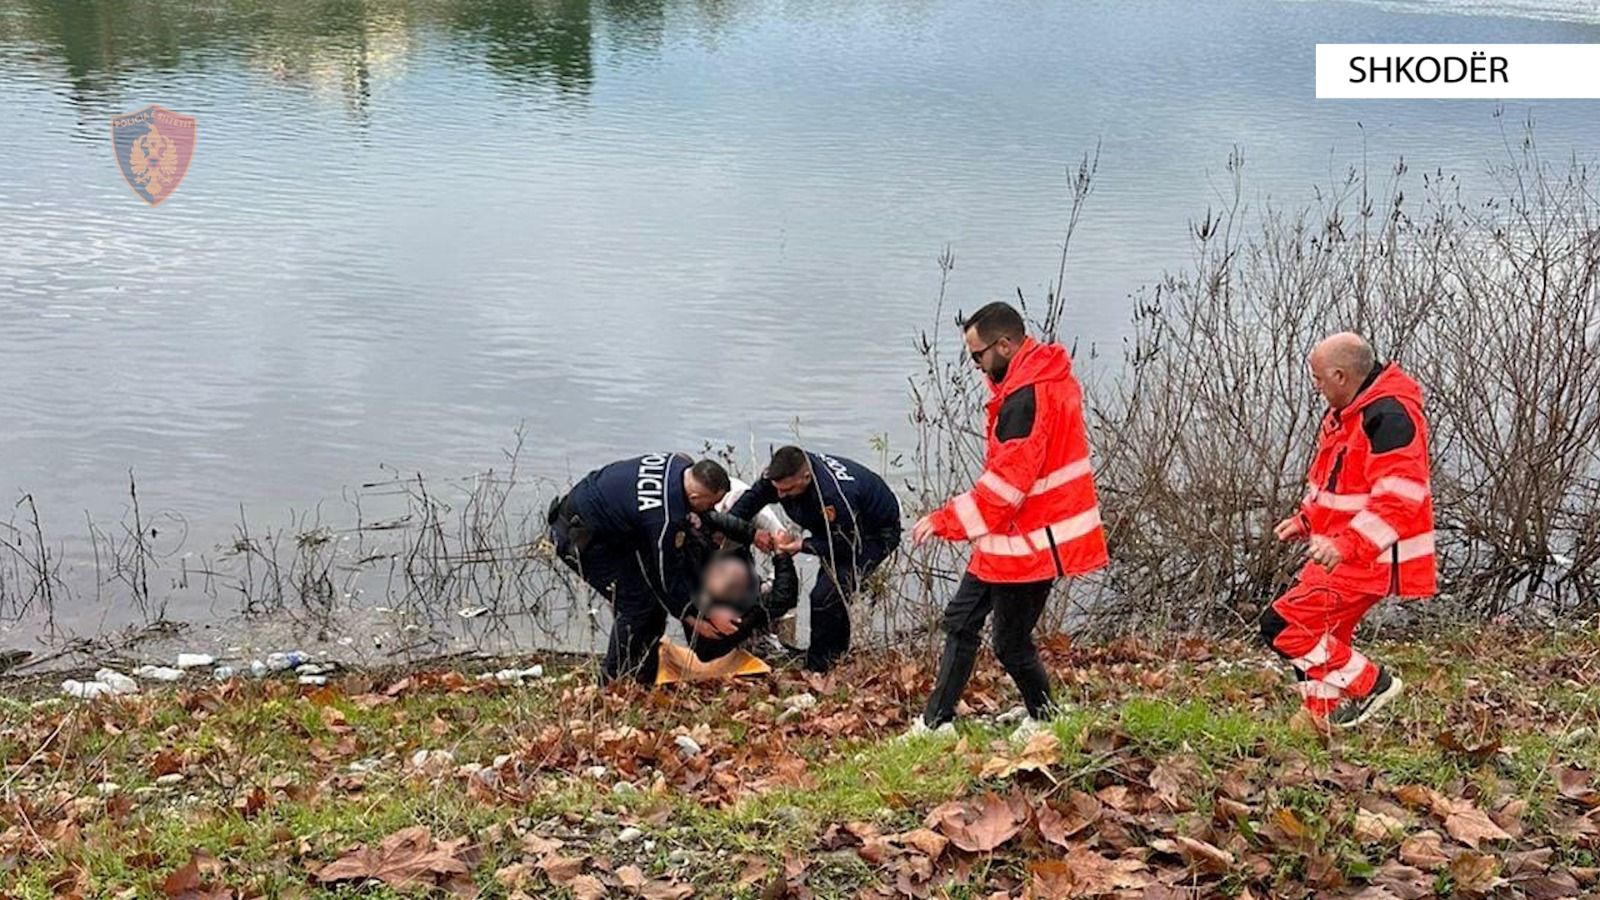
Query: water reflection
<point>337,45</point>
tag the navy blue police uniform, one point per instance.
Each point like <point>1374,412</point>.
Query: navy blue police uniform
<point>625,529</point>
<point>853,520</point>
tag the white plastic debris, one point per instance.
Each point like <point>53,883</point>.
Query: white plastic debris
<point>472,612</point>
<point>86,690</point>
<point>629,835</point>
<point>118,682</point>
<point>293,659</point>
<point>107,788</point>
<point>195,660</point>
<point>158,673</point>
<point>223,673</point>
<point>170,779</point>
<point>313,680</point>
<point>688,746</point>
<point>596,772</point>
<point>801,701</point>
<point>258,669</point>
<point>434,760</point>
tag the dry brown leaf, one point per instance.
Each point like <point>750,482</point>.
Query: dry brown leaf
<point>1471,826</point>
<point>1423,851</point>
<point>407,858</point>
<point>1372,827</point>
<point>1475,873</point>
<point>978,828</point>
<point>560,869</point>
<point>1204,857</point>
<point>586,887</point>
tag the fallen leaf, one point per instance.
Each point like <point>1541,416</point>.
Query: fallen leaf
<point>1471,826</point>
<point>980,828</point>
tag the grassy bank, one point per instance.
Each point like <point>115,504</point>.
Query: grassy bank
<point>1174,773</point>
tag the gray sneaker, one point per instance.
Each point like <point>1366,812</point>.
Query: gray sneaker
<point>919,729</point>
<point>1353,712</point>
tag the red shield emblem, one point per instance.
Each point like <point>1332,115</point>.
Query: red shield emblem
<point>154,147</point>
<point>828,512</point>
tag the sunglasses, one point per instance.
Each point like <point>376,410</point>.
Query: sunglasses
<point>977,355</point>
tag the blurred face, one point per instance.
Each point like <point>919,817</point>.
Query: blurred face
<point>794,485</point>
<point>992,358</point>
<point>1337,386</point>
<point>726,580</point>
<point>701,498</point>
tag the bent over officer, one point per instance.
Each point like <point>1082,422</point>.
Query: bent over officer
<point>853,520</point>
<point>628,530</point>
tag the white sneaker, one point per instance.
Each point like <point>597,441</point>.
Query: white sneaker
<point>1012,716</point>
<point>1029,727</point>
<point>919,729</point>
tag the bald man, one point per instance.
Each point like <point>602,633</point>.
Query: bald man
<point>1367,520</point>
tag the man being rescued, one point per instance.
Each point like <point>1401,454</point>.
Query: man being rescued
<point>1367,519</point>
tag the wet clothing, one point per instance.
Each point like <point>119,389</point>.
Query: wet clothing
<point>1033,514</point>
<point>1016,607</point>
<point>756,612</point>
<point>852,518</point>
<point>625,529</point>
<point>1368,490</point>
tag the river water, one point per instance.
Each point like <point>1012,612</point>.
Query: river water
<point>409,228</point>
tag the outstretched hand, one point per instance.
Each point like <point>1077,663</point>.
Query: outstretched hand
<point>764,541</point>
<point>922,532</point>
<point>1291,529</point>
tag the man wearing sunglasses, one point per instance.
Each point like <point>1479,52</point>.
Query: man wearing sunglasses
<point>1032,517</point>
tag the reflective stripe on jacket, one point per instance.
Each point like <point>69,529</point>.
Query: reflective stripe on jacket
<point>1368,488</point>
<point>1033,513</point>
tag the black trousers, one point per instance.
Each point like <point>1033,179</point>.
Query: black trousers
<point>1016,609</point>
<point>638,618</point>
<point>842,572</point>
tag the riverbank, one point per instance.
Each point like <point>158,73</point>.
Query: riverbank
<point>1172,774</point>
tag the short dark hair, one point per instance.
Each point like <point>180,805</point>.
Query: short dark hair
<point>787,462</point>
<point>711,475</point>
<point>996,320</point>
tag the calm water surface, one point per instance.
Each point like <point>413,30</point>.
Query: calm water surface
<point>410,227</point>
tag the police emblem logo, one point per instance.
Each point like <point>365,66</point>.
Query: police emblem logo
<point>678,540</point>
<point>828,512</point>
<point>154,147</point>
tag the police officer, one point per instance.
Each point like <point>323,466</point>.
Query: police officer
<point>853,521</point>
<point>629,529</point>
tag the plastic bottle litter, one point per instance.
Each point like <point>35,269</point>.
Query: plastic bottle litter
<point>223,673</point>
<point>277,662</point>
<point>313,680</point>
<point>158,673</point>
<point>118,682</point>
<point>87,690</point>
<point>195,660</point>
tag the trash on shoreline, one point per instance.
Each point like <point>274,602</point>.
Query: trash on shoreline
<point>313,680</point>
<point>223,673</point>
<point>278,662</point>
<point>195,660</point>
<point>86,690</point>
<point>158,673</point>
<point>513,676</point>
<point>472,612</point>
<point>118,682</point>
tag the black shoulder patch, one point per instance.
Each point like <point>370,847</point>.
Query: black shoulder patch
<point>1016,415</point>
<point>1387,424</point>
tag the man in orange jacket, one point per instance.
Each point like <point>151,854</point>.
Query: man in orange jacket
<point>1367,518</point>
<point>1031,518</point>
